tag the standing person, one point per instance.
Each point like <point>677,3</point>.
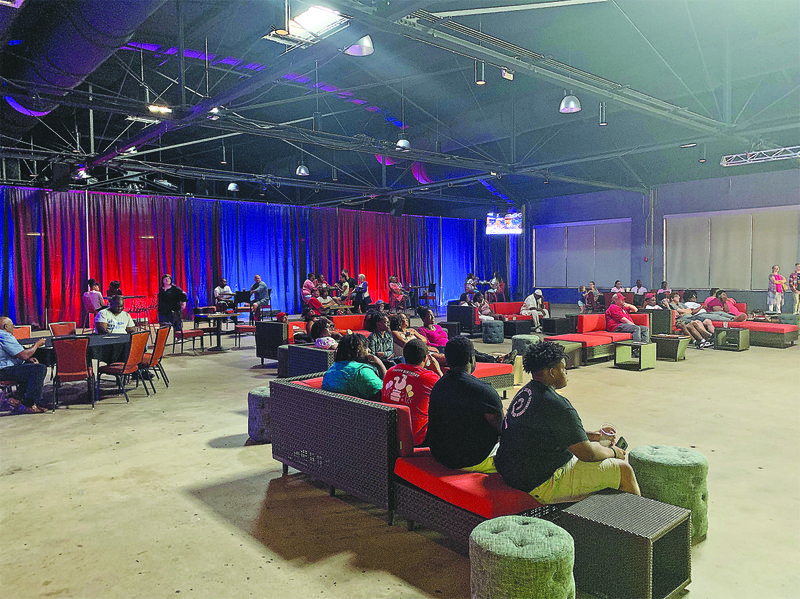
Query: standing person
<point>464,413</point>
<point>171,303</point>
<point>410,384</point>
<point>361,297</point>
<point>777,283</point>
<point>617,319</point>
<point>18,364</point>
<point>260,297</point>
<point>544,449</point>
<point>582,298</point>
<point>794,285</point>
<point>114,319</point>
<point>223,296</point>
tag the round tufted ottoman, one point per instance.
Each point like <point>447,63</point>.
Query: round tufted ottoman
<point>517,557</point>
<point>258,420</point>
<point>492,331</point>
<point>674,475</point>
<point>521,343</point>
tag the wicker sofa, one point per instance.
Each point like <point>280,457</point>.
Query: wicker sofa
<point>271,334</point>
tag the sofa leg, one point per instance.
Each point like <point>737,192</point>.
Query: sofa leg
<point>410,525</point>
<point>390,517</point>
<point>332,491</point>
<point>285,469</point>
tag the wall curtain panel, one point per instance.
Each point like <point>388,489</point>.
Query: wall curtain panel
<point>53,241</point>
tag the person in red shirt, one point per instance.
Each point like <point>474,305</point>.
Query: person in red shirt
<point>617,319</point>
<point>315,304</point>
<point>410,385</point>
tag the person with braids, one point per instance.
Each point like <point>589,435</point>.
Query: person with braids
<point>355,372</point>
<point>544,449</point>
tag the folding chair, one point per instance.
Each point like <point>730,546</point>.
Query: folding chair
<point>72,365</point>
<point>61,329</point>
<point>151,362</point>
<point>122,371</point>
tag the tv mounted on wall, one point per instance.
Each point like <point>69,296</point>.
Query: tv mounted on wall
<point>504,224</point>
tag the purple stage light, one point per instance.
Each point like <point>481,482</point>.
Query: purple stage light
<point>418,170</point>
<point>22,110</point>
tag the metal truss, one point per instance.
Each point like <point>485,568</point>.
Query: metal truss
<point>758,156</point>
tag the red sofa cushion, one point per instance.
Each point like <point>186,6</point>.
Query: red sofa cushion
<point>491,369</point>
<point>506,307</point>
<point>763,327</point>
<point>355,322</point>
<point>614,335</point>
<point>483,494</point>
<point>586,339</point>
<point>591,322</point>
<point>404,433</point>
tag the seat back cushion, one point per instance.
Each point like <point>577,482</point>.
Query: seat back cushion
<point>591,322</point>
<point>348,321</point>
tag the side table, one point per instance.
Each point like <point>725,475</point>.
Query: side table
<point>671,347</point>
<point>634,355</point>
<point>731,339</point>
<point>453,328</point>
<point>651,539</point>
<point>517,327</point>
<point>555,326</point>
<point>660,322</point>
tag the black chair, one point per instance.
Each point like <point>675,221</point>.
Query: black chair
<point>429,295</point>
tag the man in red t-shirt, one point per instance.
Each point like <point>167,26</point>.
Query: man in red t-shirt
<point>617,319</point>
<point>410,385</point>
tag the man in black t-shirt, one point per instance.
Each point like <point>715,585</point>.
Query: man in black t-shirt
<point>544,449</point>
<point>464,413</point>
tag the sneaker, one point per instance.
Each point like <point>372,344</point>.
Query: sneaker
<point>699,344</point>
<point>708,343</point>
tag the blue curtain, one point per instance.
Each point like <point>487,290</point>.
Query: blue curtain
<point>200,254</point>
<point>7,304</point>
<point>458,245</point>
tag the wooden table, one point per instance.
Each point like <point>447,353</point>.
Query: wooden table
<point>671,347</point>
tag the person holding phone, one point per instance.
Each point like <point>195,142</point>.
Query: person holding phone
<point>544,449</point>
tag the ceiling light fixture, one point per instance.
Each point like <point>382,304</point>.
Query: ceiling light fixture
<point>603,122</point>
<point>284,29</point>
<point>702,158</point>
<point>569,104</point>
<point>758,156</point>
<point>689,144</point>
<point>143,119</point>
<point>233,187</point>
<point>507,73</point>
<point>224,158</point>
<point>403,144</point>
<point>302,169</point>
<point>158,109</point>
<point>480,72</point>
<point>362,47</point>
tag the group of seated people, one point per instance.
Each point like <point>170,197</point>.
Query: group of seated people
<point>539,446</point>
<point>533,306</point>
<point>347,293</point>
<point>495,291</point>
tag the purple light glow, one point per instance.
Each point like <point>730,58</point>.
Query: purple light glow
<point>230,60</point>
<point>387,160</point>
<point>418,170</point>
<point>22,110</point>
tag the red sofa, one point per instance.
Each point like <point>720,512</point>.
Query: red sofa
<point>592,335</point>
<point>512,309</point>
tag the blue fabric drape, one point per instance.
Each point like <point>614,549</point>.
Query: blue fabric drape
<point>458,244</point>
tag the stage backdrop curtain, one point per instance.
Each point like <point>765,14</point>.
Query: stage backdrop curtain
<point>422,258</point>
<point>200,252</point>
<point>66,246</point>
<point>7,245</point>
<point>29,254</point>
<point>458,249</point>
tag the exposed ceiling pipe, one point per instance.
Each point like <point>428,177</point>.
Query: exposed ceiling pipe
<point>64,53</point>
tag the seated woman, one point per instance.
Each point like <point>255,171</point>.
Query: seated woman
<point>308,286</point>
<point>469,285</point>
<point>436,338</point>
<point>381,342</point>
<point>617,288</point>
<point>321,333</point>
<point>484,309</point>
<point>355,371</point>
<point>398,297</point>
<point>113,289</point>
<point>491,293</point>
<point>343,288</point>
<point>402,332</point>
<point>464,300</point>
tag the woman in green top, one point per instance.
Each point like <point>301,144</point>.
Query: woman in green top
<point>355,371</point>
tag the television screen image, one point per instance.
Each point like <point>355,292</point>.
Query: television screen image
<point>504,224</point>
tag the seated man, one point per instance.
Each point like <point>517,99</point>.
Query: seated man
<point>315,304</point>
<point>639,292</point>
<point>534,307</point>
<point>114,319</point>
<point>223,296</point>
<point>722,304</point>
<point>18,364</point>
<point>260,294</point>
<point>544,449</point>
<point>650,302</point>
<point>328,303</point>
<point>355,372</point>
<point>692,321</point>
<point>617,319</point>
<point>464,413</point>
<point>410,384</point>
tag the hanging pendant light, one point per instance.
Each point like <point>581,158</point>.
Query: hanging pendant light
<point>403,144</point>
<point>284,30</point>
<point>480,72</point>
<point>569,104</point>
<point>603,122</point>
<point>362,47</point>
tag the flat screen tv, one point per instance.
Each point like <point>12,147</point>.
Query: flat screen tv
<point>504,224</point>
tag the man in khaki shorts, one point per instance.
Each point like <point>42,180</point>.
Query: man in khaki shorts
<point>544,449</point>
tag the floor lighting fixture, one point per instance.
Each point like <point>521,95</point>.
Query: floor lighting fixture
<point>480,72</point>
<point>603,122</point>
<point>569,104</point>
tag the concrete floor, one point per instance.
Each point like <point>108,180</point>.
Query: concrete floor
<point>160,497</point>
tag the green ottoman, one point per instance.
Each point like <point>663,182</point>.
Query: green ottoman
<point>573,349</point>
<point>521,343</point>
<point>517,557</point>
<point>674,475</point>
<point>492,331</point>
<point>258,419</point>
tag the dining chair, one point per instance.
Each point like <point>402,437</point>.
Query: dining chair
<point>151,362</point>
<point>72,365</point>
<point>429,295</point>
<point>122,371</point>
<point>60,329</point>
<point>23,331</point>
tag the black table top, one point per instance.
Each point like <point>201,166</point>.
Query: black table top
<point>94,340</point>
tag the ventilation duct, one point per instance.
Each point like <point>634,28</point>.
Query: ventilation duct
<point>69,49</point>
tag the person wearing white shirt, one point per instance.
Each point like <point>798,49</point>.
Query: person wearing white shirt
<point>639,289</point>
<point>617,288</point>
<point>114,320</point>
<point>223,296</point>
<point>534,307</point>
